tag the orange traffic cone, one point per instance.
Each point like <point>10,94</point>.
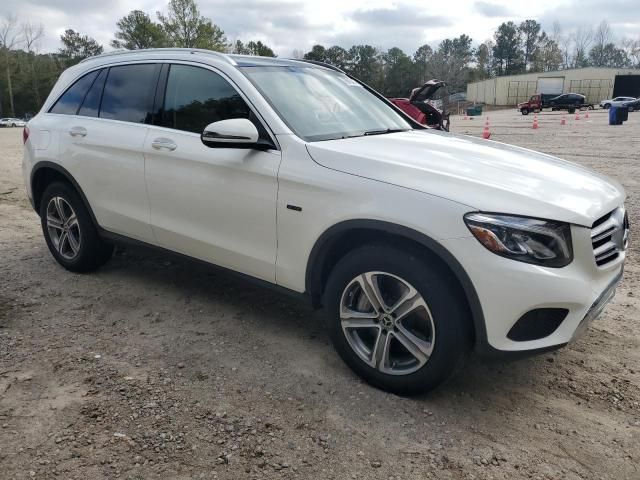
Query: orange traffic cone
<point>586,115</point>
<point>486,133</point>
<point>577,115</point>
<point>563,120</point>
<point>535,122</point>
<point>466,117</point>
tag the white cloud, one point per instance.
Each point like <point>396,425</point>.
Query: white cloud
<point>298,24</point>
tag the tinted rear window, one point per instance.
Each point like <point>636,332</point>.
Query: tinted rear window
<point>91,104</point>
<point>69,102</point>
<point>128,93</point>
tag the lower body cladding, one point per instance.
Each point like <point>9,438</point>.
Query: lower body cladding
<point>528,307</point>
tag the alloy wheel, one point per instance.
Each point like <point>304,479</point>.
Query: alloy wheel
<point>63,228</point>
<point>387,323</point>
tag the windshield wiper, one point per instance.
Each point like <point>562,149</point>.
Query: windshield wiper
<point>386,130</point>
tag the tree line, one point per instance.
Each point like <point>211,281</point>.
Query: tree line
<point>28,74</point>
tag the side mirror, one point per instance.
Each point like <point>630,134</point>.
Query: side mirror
<point>233,133</point>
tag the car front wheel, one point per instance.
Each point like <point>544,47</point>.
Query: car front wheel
<point>525,111</point>
<point>69,231</point>
<point>395,319</point>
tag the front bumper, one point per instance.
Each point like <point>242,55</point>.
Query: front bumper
<point>598,305</point>
<point>508,289</point>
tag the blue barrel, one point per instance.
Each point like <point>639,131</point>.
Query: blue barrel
<point>613,115</point>
<point>618,114</point>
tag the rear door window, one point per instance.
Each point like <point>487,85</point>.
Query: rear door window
<point>196,97</point>
<point>128,93</point>
<point>91,105</point>
<point>70,101</point>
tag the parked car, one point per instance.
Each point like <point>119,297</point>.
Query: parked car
<point>419,244</point>
<point>12,122</point>
<point>607,103</point>
<point>570,102</point>
<point>633,105</point>
<point>423,108</point>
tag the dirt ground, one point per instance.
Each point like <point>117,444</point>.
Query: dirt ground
<point>160,368</point>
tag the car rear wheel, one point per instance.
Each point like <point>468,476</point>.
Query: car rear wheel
<point>396,320</point>
<point>69,231</point>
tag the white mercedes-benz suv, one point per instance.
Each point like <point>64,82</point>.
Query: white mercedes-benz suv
<point>419,244</point>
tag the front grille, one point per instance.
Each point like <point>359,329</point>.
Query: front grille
<point>609,236</point>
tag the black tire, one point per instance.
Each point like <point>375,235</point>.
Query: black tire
<point>572,110</point>
<point>525,111</point>
<point>447,308</point>
<point>607,106</point>
<point>92,251</point>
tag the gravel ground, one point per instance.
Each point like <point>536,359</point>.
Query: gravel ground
<point>159,368</point>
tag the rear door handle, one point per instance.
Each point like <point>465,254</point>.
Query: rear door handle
<point>78,132</point>
<point>164,143</point>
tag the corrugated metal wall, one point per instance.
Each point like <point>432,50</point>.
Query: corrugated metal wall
<point>595,83</point>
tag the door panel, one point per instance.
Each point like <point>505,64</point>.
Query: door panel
<point>106,159</point>
<point>215,204</point>
<point>105,155</point>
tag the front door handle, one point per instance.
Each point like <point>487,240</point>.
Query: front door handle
<point>78,132</point>
<point>164,143</point>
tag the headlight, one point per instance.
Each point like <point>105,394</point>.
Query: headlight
<point>530,240</point>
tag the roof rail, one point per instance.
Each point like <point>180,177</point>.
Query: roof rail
<point>219,55</point>
<point>321,64</point>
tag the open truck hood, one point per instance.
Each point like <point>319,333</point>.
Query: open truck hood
<point>484,175</point>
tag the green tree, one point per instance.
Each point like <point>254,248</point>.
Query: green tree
<point>483,60</point>
<point>451,62</point>
<point>32,34</point>
<point>253,48</point>
<point>609,56</point>
<point>548,55</point>
<point>421,59</point>
<point>529,31</point>
<point>366,65</point>
<point>9,39</point>
<point>317,53</point>
<point>399,73</point>
<point>185,27</point>
<point>507,52</point>
<point>137,30</point>
<point>75,47</point>
<point>339,57</point>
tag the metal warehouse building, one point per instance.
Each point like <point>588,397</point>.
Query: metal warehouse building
<point>595,83</point>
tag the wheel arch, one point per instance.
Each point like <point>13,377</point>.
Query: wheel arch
<point>43,174</point>
<point>341,238</point>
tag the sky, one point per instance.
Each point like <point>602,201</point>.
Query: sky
<point>286,25</point>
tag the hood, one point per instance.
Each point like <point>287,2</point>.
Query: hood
<point>484,175</point>
<point>427,91</point>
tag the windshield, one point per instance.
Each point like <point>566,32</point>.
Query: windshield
<point>321,104</point>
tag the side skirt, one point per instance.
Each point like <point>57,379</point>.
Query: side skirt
<point>122,240</point>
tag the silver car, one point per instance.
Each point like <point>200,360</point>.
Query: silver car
<point>12,122</point>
